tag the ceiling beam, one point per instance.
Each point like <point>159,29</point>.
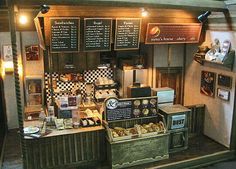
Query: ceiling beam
<point>202,5</point>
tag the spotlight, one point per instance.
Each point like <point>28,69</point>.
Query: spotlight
<point>144,12</point>
<point>23,19</point>
<point>44,9</point>
<point>203,17</point>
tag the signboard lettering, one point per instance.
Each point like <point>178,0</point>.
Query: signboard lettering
<point>97,34</point>
<point>127,34</point>
<point>168,33</point>
<point>64,34</point>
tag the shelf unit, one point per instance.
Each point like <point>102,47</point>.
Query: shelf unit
<point>34,91</point>
<point>228,61</point>
<point>105,87</point>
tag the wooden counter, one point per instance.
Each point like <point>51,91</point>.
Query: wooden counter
<point>65,148</point>
<point>56,132</point>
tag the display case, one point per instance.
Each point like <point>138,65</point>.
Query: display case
<point>34,91</point>
<point>136,134</point>
<point>104,88</point>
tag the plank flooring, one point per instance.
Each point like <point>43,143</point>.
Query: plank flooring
<point>12,154</point>
<point>198,146</point>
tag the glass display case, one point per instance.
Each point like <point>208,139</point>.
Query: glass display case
<point>34,91</point>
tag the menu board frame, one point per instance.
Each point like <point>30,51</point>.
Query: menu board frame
<point>85,19</point>
<point>40,33</point>
<point>78,18</point>
<point>114,104</point>
<point>173,24</point>
<point>140,24</point>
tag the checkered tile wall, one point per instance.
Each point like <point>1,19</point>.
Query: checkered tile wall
<point>69,88</point>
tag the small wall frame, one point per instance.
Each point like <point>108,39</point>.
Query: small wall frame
<point>207,83</point>
<point>7,53</point>
<point>224,81</point>
<point>223,94</point>
<point>32,52</point>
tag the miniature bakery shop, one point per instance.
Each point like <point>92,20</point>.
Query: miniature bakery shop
<point>123,84</point>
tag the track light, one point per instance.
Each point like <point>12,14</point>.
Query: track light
<point>144,12</point>
<point>203,17</point>
<point>23,19</point>
<point>44,9</point>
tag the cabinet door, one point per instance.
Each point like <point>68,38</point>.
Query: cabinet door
<point>93,60</point>
<point>66,62</point>
<point>72,62</point>
<point>171,55</point>
<point>178,140</point>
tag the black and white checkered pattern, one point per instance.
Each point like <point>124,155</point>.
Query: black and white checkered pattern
<point>69,88</point>
<point>66,88</point>
<point>91,75</point>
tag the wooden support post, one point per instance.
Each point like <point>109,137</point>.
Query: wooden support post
<point>12,25</point>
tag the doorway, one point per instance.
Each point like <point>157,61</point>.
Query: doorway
<point>171,77</point>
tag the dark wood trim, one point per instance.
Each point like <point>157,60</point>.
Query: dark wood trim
<point>233,129</point>
<point>202,5</point>
<point>200,161</point>
<point>2,151</point>
<point>183,74</point>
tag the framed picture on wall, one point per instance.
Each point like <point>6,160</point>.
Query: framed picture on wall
<point>225,81</point>
<point>7,53</point>
<point>208,83</point>
<point>32,52</point>
<point>223,94</point>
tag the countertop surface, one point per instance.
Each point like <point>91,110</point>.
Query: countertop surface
<point>56,132</point>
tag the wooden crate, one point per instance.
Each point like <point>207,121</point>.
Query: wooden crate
<point>177,118</point>
<point>138,151</point>
<point>172,111</point>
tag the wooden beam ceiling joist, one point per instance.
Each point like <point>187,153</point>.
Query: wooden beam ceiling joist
<point>202,5</point>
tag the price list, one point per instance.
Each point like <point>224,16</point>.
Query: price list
<point>127,34</point>
<point>64,34</point>
<point>122,111</point>
<point>97,34</point>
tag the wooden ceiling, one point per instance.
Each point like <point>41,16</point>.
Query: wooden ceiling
<point>178,10</point>
<point>4,23</point>
<point>201,5</point>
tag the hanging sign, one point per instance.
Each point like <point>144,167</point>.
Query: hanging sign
<point>97,34</point>
<point>64,34</point>
<point>168,33</point>
<point>127,34</point>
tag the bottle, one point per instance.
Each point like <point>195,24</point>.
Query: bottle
<point>42,114</point>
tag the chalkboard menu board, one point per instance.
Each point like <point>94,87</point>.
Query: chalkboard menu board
<point>97,34</point>
<point>168,33</point>
<point>127,35</point>
<point>64,34</point>
<point>121,109</point>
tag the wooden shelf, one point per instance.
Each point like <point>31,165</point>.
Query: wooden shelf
<point>228,61</point>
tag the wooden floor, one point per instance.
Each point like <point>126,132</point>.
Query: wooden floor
<point>12,154</point>
<point>198,146</point>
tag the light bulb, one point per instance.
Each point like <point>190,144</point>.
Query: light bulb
<point>23,19</point>
<point>144,12</point>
